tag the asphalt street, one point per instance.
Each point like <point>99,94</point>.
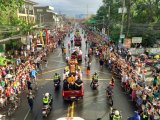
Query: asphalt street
<point>92,106</point>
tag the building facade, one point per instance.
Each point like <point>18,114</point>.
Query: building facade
<point>45,16</point>
<point>26,12</point>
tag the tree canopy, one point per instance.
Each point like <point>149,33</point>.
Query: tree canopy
<point>10,24</point>
<point>8,9</point>
<point>141,20</point>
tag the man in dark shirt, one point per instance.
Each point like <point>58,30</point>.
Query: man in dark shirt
<point>78,83</point>
<point>65,84</point>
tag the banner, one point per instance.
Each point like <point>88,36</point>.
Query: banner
<point>41,38</point>
<point>153,51</point>
<point>47,37</point>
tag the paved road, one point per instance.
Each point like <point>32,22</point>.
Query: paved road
<point>94,103</point>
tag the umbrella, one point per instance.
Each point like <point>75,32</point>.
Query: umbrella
<point>8,76</point>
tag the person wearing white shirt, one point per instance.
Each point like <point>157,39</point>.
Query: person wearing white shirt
<point>80,52</point>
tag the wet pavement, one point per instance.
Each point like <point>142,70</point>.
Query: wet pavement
<point>92,106</point>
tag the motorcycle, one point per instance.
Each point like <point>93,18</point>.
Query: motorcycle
<point>46,109</point>
<point>56,84</point>
<point>95,84</point>
<point>110,99</point>
<point>113,112</point>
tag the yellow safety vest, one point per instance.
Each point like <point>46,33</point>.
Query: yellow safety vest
<point>56,77</point>
<point>95,76</point>
<point>116,117</point>
<point>45,100</point>
<point>144,116</point>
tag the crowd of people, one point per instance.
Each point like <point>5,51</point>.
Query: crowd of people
<point>17,77</point>
<point>21,74</point>
<point>132,73</point>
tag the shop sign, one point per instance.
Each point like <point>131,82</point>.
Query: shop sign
<point>122,36</point>
<point>136,39</point>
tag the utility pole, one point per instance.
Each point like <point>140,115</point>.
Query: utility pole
<point>123,13</point>
<point>109,11</point>
<point>103,22</point>
<point>128,16</point>
<point>103,29</point>
<point>28,15</point>
<point>40,19</point>
<point>87,11</point>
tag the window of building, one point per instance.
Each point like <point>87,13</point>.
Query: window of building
<point>39,10</point>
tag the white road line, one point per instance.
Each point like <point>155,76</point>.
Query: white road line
<point>27,114</point>
<point>59,54</point>
<point>59,61</point>
<point>107,73</point>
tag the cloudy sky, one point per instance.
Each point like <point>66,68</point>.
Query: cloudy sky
<point>72,7</point>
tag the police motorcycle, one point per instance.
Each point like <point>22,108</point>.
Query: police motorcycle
<point>94,83</point>
<point>109,94</point>
<point>47,104</point>
<point>56,81</point>
<point>115,114</point>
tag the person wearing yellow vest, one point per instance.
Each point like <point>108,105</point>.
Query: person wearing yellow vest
<point>94,78</point>
<point>47,99</point>
<point>56,77</point>
<point>116,115</point>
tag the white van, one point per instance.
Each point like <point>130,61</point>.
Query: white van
<point>39,47</point>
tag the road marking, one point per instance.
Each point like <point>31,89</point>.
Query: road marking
<point>52,70</point>
<point>59,61</point>
<point>72,110</point>
<point>59,54</point>
<point>27,114</point>
<point>68,115</point>
<point>105,73</point>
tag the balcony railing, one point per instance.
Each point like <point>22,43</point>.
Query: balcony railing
<point>22,11</point>
<point>31,12</point>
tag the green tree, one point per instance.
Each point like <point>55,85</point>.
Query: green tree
<point>8,10</point>
<point>9,21</point>
<point>142,19</point>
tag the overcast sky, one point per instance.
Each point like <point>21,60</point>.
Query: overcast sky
<point>72,7</point>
